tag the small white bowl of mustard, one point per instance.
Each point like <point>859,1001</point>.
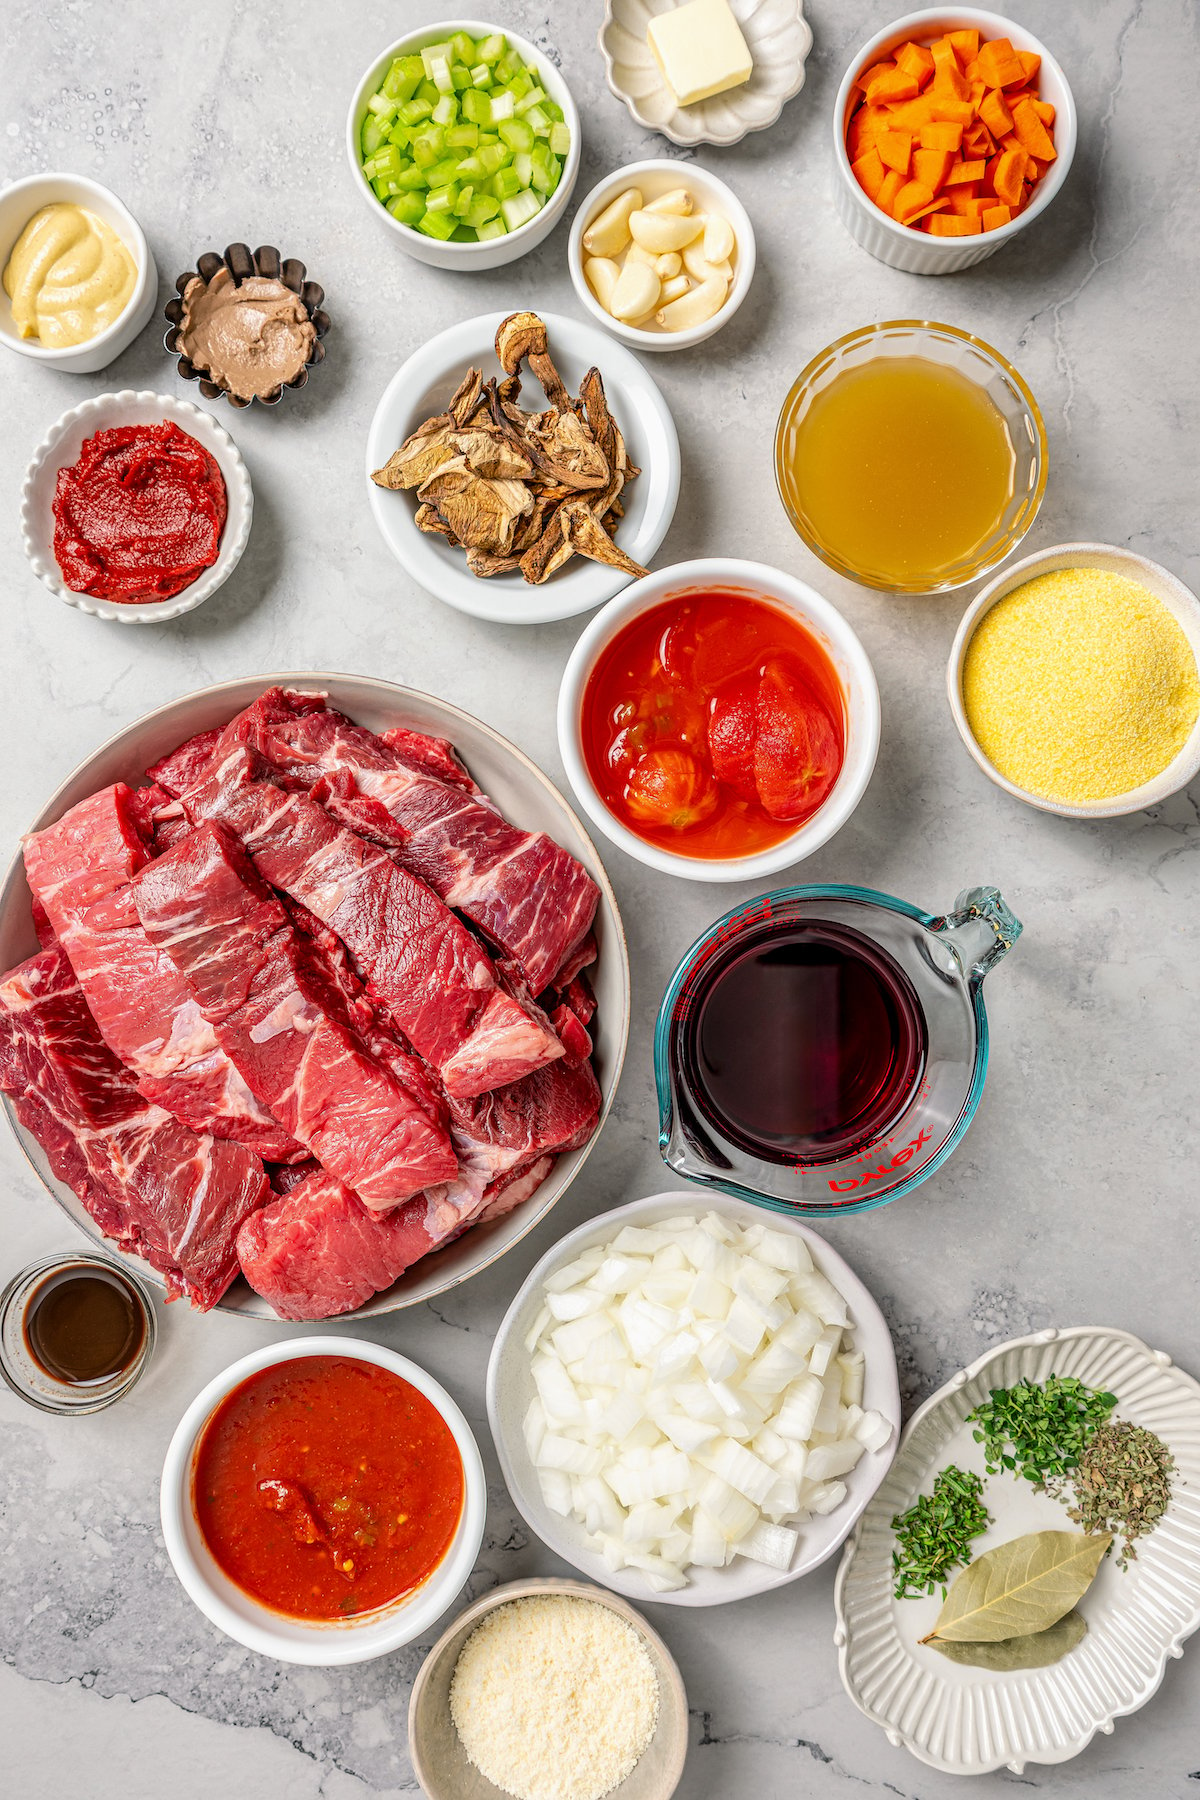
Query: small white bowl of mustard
<point>98,235</point>
<point>1081,697</point>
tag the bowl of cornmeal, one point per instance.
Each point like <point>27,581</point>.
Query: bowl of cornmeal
<point>1074,681</point>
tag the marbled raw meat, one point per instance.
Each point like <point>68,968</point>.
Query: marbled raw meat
<point>155,1187</point>
<point>284,1023</point>
<point>80,869</point>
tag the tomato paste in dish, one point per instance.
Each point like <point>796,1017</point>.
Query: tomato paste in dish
<point>327,1486</point>
<point>714,724</point>
<point>139,516</point>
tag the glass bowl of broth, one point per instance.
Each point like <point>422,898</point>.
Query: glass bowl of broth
<point>911,457</point>
<point>76,1333</point>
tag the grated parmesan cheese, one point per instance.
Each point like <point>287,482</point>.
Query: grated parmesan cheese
<point>554,1698</point>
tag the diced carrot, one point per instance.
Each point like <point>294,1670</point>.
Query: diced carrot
<point>1030,64</point>
<point>1034,170</point>
<point>892,183</point>
<point>876,119</point>
<point>898,85</point>
<point>951,225</point>
<point>1044,111</point>
<point>978,141</point>
<point>931,167</point>
<point>965,171</point>
<point>864,80</point>
<point>994,114</point>
<point>964,199</point>
<point>895,148</point>
<point>941,136</point>
<point>915,60</point>
<point>913,196</point>
<point>937,204</point>
<point>966,43</point>
<point>1006,173</point>
<point>869,173</point>
<point>948,77</point>
<point>996,216</point>
<point>971,71</point>
<point>1031,133</point>
<point>977,91</point>
<point>999,64</point>
<point>946,108</point>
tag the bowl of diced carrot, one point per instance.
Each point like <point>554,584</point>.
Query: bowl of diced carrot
<point>952,131</point>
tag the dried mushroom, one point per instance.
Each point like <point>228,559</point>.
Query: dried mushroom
<point>516,489</point>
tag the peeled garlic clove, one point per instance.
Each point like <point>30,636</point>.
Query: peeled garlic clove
<point>719,241</point>
<point>602,276</point>
<point>699,267</point>
<point>695,308</point>
<point>672,289</point>
<point>609,232</point>
<point>663,232</point>
<point>636,293</point>
<point>668,266</point>
<point>636,254</point>
<point>677,201</point>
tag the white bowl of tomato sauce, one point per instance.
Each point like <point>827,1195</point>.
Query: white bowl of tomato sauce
<point>719,720</point>
<point>323,1501</point>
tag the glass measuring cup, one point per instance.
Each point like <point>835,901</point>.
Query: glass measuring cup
<point>934,964</point>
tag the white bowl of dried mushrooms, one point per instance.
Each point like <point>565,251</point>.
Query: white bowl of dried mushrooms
<point>523,467</point>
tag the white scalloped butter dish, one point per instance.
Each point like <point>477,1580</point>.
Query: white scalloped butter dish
<point>970,1721</point>
<point>61,446</point>
<point>779,39</point>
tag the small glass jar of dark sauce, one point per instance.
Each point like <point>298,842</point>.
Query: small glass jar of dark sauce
<point>76,1332</point>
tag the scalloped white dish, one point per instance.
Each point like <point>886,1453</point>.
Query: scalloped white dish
<point>779,38</point>
<point>969,1721</point>
<point>61,447</point>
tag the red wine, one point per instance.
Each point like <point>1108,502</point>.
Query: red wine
<point>804,1042</point>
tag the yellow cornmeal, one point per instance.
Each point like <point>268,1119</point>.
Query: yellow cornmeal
<point>1080,685</point>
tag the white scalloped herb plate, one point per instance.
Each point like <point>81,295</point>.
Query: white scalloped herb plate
<point>969,1721</point>
<point>779,38</point>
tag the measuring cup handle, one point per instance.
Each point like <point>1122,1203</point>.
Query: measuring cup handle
<point>980,930</point>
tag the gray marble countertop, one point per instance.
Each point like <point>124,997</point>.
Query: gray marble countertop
<point>1073,1198</point>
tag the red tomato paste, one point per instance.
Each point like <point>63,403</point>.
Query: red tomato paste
<point>327,1486</point>
<point>714,724</point>
<point>140,515</point>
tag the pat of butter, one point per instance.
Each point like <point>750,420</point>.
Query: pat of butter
<point>700,49</point>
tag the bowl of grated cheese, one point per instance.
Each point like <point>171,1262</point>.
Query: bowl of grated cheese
<point>548,1690</point>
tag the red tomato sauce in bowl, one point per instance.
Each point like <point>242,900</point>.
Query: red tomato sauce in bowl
<point>326,1487</point>
<point>714,724</point>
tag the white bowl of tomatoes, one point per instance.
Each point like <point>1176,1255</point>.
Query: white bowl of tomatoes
<point>323,1501</point>
<point>719,720</point>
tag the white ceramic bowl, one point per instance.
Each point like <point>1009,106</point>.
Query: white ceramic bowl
<point>318,1643</point>
<point>61,447</point>
<point>18,203</point>
<point>655,178</point>
<point>493,253</point>
<point>510,1389</point>
<point>899,245</point>
<point>967,1721</point>
<point>832,633</point>
<point>435,1749</point>
<point>522,793</point>
<point>421,388</point>
<point>1179,601</point>
<point>779,39</point>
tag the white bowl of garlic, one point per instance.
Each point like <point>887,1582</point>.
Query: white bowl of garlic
<point>662,254</point>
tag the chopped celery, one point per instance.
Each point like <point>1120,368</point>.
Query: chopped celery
<point>437,224</point>
<point>517,134</point>
<point>461,141</point>
<point>520,209</point>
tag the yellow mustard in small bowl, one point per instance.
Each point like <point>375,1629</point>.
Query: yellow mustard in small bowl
<point>69,276</point>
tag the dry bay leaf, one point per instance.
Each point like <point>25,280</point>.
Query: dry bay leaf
<point>1020,1588</point>
<point>1036,1650</point>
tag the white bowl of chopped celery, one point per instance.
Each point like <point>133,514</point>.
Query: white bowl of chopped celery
<point>465,142</point>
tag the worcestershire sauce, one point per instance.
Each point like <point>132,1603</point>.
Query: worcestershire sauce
<point>82,1326</point>
<point>806,1043</point>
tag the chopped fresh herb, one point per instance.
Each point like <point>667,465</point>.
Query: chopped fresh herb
<point>1122,1484</point>
<point>1038,1430</point>
<point>934,1535</point>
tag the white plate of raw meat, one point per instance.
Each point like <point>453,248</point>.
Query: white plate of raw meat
<point>200,851</point>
